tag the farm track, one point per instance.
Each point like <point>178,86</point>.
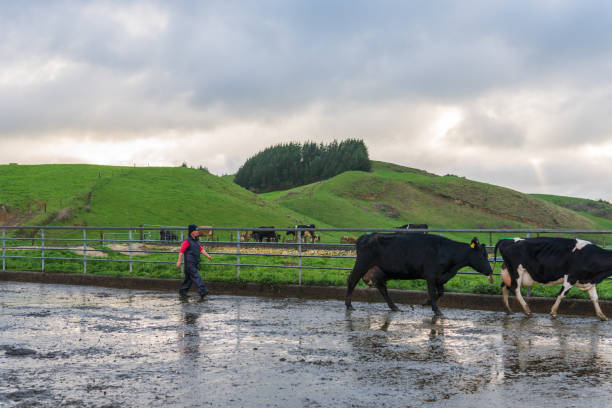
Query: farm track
<point>87,346</point>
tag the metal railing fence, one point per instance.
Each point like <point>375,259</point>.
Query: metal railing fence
<point>82,240</point>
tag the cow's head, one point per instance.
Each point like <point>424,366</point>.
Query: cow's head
<point>478,258</point>
<point>373,276</point>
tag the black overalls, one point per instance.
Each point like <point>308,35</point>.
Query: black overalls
<point>191,262</point>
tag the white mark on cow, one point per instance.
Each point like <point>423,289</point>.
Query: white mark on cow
<point>525,278</point>
<point>505,275</point>
<point>580,243</point>
<point>518,239</point>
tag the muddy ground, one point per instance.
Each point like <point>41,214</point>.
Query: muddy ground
<point>88,346</point>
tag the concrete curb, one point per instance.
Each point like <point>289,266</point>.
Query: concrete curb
<point>579,307</point>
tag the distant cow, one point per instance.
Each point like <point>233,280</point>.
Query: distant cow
<point>348,240</point>
<point>382,257</point>
<point>308,232</point>
<point>265,233</point>
<point>167,235</point>
<point>550,261</point>
<point>413,226</point>
<point>245,236</point>
<point>207,232</point>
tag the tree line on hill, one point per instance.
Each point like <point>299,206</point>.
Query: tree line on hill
<point>289,165</point>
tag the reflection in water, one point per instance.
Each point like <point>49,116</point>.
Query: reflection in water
<point>551,348</point>
<point>189,332</point>
<point>439,356</point>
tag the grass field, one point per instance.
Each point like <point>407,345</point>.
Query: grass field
<point>286,271</point>
<point>125,196</point>
<point>393,195</point>
<point>388,196</point>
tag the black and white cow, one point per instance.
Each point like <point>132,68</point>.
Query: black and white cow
<point>265,233</point>
<point>308,232</point>
<point>381,257</point>
<point>550,261</point>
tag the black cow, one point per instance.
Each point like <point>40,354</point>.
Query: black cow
<point>381,257</point>
<point>167,235</point>
<point>307,233</point>
<point>550,261</point>
<point>267,234</point>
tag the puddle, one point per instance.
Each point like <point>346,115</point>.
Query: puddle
<point>73,346</point>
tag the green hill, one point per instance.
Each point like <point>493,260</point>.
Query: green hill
<point>388,196</point>
<point>392,195</point>
<point>71,194</point>
<point>599,211</point>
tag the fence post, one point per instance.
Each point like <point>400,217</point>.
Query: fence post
<point>3,249</point>
<point>130,249</point>
<point>84,251</point>
<point>42,249</point>
<point>238,254</point>
<point>299,238</point>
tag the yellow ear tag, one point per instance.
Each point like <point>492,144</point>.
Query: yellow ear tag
<point>472,245</point>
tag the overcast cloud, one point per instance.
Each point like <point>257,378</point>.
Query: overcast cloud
<point>515,93</point>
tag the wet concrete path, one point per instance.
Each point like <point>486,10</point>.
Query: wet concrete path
<point>88,346</point>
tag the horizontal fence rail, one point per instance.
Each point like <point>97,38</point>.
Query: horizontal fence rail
<point>88,244</point>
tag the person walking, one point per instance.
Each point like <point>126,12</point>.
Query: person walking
<point>191,250</point>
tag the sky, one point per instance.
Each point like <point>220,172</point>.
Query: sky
<point>514,93</point>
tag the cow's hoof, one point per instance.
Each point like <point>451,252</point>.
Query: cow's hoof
<point>437,313</point>
<point>349,307</point>
<point>603,318</point>
<point>395,309</point>
<point>553,316</point>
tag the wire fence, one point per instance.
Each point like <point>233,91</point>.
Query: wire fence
<point>80,246</point>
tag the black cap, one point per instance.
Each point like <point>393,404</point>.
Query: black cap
<point>192,227</point>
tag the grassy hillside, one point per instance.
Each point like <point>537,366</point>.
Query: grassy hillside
<point>388,196</point>
<point>393,195</point>
<point>127,196</point>
<point>601,210</point>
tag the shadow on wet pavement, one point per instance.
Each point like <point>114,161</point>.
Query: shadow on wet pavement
<point>86,346</point>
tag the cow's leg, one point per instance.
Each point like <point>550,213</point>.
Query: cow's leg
<point>431,289</point>
<point>519,296</point>
<point>440,289</point>
<point>566,287</point>
<point>505,293</point>
<point>382,288</point>
<point>593,295</point>
<point>358,271</point>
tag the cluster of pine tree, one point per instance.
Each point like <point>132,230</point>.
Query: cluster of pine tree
<point>290,165</point>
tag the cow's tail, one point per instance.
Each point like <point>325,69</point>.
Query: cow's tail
<point>495,258</point>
